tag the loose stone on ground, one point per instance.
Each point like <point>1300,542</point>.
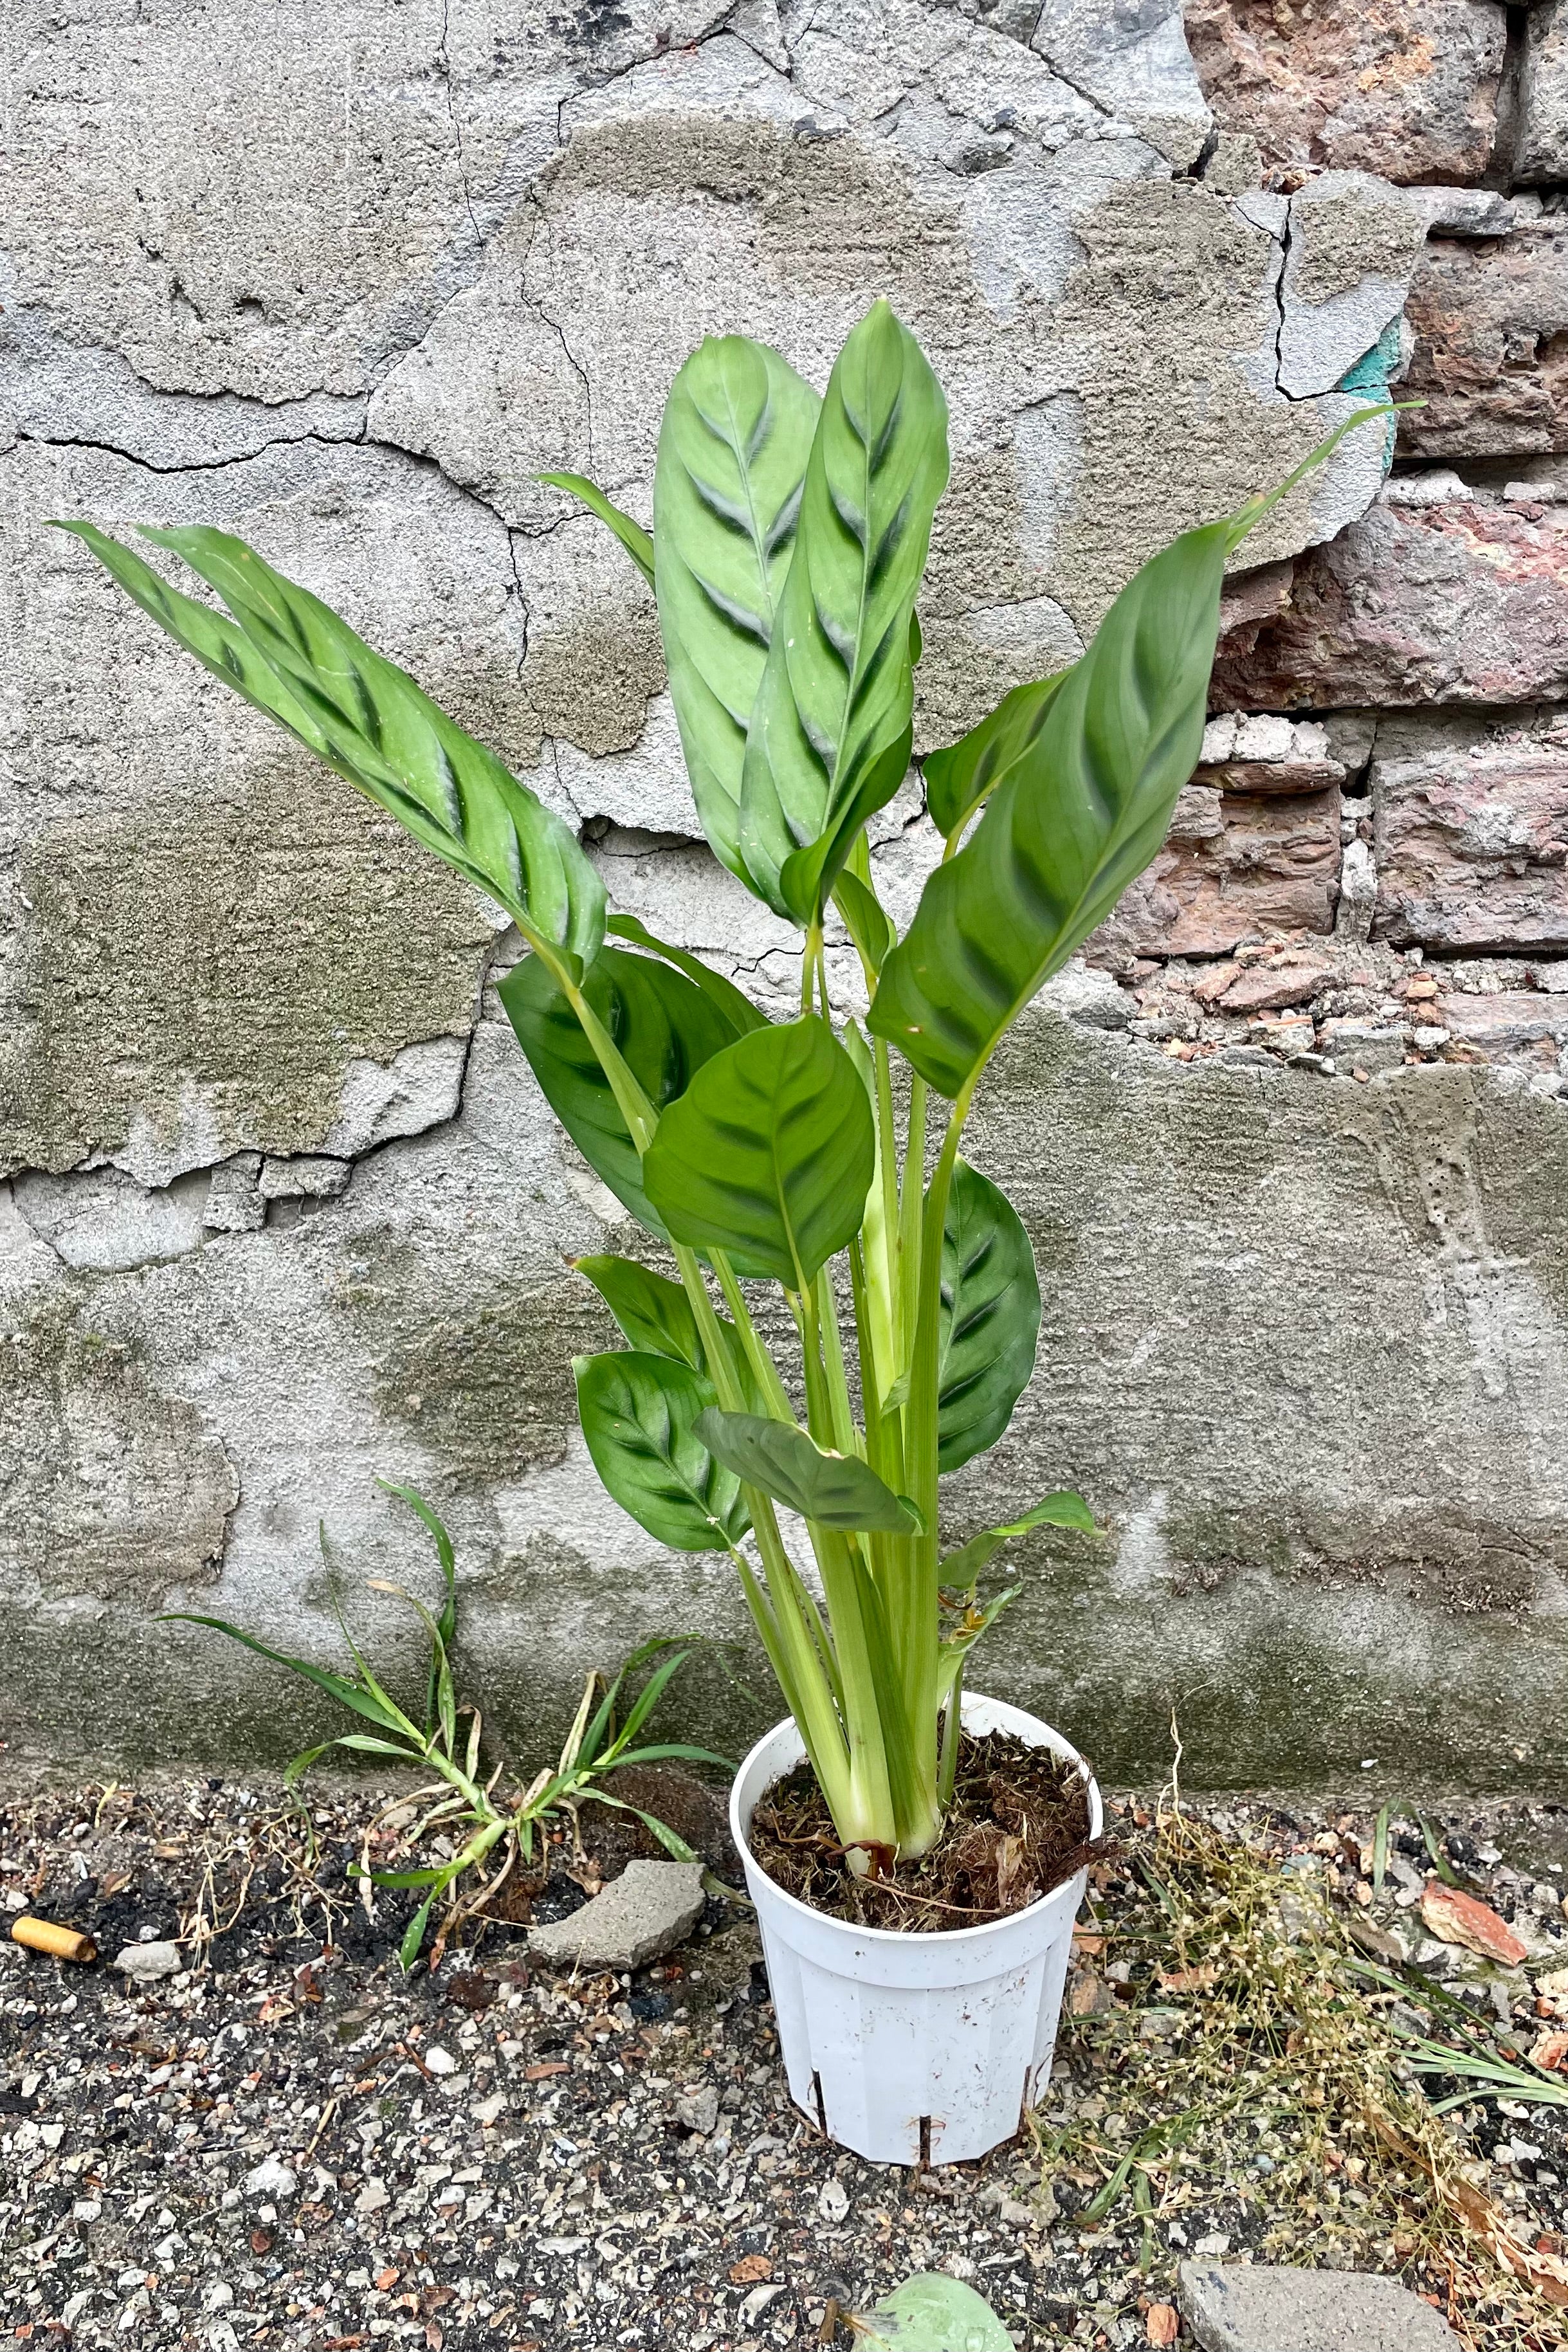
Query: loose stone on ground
<point>1233,2307</point>
<point>637,1918</point>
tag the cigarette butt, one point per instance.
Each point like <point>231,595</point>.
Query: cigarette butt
<point>44,1935</point>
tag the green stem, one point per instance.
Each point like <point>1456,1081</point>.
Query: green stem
<point>952,1724</point>
<point>909,1223</point>
<point>916,1632</point>
<point>846,1436</point>
<point>762,1365</point>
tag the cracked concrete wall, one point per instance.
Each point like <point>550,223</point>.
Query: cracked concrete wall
<point>283,1212</point>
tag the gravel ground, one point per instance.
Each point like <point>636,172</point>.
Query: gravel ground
<point>289,2144</point>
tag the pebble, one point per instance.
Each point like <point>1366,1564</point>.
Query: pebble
<point>699,2110</point>
<point>150,1961</point>
<point>272,2179</point>
<point>438,2061</point>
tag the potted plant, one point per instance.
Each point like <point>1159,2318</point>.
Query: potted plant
<point>918,1882</point>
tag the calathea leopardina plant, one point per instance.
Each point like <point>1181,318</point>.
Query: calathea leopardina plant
<point>790,537</point>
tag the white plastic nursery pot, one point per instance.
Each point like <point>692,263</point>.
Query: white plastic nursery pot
<point>912,2048</point>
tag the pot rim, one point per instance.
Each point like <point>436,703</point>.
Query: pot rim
<point>948,1937</point>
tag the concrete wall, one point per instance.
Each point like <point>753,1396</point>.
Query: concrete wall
<point>285,1211</point>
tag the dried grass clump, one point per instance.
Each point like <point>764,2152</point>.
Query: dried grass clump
<point>1263,2065</point>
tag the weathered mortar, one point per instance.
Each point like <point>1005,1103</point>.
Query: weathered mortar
<point>1303,1335</point>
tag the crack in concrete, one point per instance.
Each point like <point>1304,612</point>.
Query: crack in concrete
<point>1283,241</point>
<point>444,64</point>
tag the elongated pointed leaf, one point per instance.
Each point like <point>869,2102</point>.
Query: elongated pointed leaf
<point>672,1843</point>
<point>732,450</point>
<point>632,536</point>
<point>414,1933</point>
<point>639,1414</point>
<point>1063,1510</point>
<point>217,641</point>
<point>769,1153</point>
<point>959,779</point>
<point>933,2313</point>
<point>371,1704</point>
<point>830,730</point>
<point>654,1314</point>
<point>372,723</point>
<point>446,1624</point>
<point>868,925</point>
<point>666,1029</point>
<point>990,1317</point>
<point>1075,819</point>
<point>735,1008</point>
<point>837,1490</point>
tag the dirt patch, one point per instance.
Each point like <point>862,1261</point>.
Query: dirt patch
<point>1018,1826</point>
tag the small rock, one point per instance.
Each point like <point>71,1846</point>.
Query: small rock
<point>1216,2243</point>
<point>699,2110</point>
<point>373,2197</point>
<point>1455,1917</point>
<point>833,2202</point>
<point>272,2179</point>
<point>148,1961</point>
<point>1249,2307</point>
<point>1551,2051</point>
<point>438,2061</point>
<point>1017,2216</point>
<point>644,1913</point>
<point>1163,2323</point>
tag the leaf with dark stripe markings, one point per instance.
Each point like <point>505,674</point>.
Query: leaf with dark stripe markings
<point>294,658</point>
<point>990,1317</point>
<point>732,456</point>
<point>831,726</point>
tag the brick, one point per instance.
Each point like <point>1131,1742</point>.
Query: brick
<point>1265,987</point>
<point>1543,148</point>
<point>1461,601</point>
<point>1491,361</point>
<point>1234,868</point>
<point>1250,2307</point>
<point>1407,89</point>
<point>1471,845</point>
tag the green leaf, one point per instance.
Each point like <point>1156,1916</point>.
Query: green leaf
<point>830,728</point>
<point>413,1936</point>
<point>726,998</point>
<point>959,779</point>
<point>769,1153</point>
<point>666,1029</point>
<point>653,1313</point>
<point>933,2313</point>
<point>373,725</point>
<point>639,1414</point>
<point>1075,819</point>
<point>214,640</point>
<point>632,536</point>
<point>447,1623</point>
<point>370,1703</point>
<point>867,926</point>
<point>990,1317</point>
<point>1064,1509</point>
<point>733,449</point>
<point>668,1838</point>
<point>837,1490</point>
<point>669,1750</point>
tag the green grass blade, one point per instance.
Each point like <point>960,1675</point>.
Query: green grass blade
<point>632,536</point>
